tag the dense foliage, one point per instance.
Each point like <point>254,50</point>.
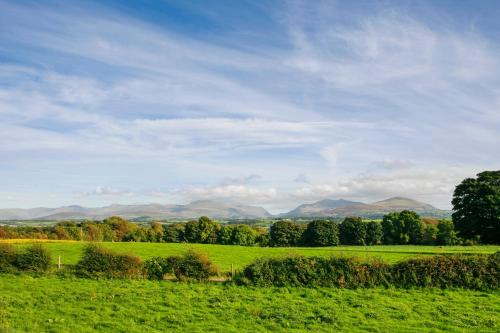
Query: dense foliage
<point>34,258</point>
<point>398,228</point>
<point>321,233</point>
<point>353,231</point>
<point>285,233</point>
<point>476,205</point>
<point>100,262</point>
<point>191,266</point>
<point>473,272</point>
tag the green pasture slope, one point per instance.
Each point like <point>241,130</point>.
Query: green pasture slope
<point>55,304</point>
<point>239,256</point>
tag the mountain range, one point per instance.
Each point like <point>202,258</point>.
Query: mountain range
<point>224,210</point>
<point>342,208</point>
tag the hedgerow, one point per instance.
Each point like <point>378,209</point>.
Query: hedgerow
<point>100,262</point>
<point>34,258</point>
<point>471,272</point>
<point>191,266</point>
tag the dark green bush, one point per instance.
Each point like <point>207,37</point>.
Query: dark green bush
<point>34,258</point>
<point>8,258</point>
<point>101,262</point>
<point>191,266</point>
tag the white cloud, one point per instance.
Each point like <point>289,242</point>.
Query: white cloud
<point>106,192</point>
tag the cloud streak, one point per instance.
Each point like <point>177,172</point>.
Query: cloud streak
<point>326,101</point>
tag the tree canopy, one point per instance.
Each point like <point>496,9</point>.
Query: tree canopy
<point>476,207</point>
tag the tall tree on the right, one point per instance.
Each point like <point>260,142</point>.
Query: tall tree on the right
<point>476,207</point>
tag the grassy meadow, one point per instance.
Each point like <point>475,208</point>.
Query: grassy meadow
<point>54,304</point>
<point>31,302</point>
<point>239,256</point>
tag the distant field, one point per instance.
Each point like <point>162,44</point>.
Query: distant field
<point>51,304</point>
<point>239,256</point>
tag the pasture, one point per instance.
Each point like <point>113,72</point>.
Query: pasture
<point>239,256</point>
<point>55,304</point>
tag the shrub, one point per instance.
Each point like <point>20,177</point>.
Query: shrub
<point>473,272</point>
<point>192,266</point>
<point>315,272</point>
<point>8,258</point>
<point>321,233</point>
<point>35,258</point>
<point>101,262</point>
<point>156,268</point>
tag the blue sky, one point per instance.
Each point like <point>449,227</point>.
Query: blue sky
<point>266,102</point>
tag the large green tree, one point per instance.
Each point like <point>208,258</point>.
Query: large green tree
<point>476,207</point>
<point>285,233</point>
<point>321,233</point>
<point>353,231</point>
<point>403,227</point>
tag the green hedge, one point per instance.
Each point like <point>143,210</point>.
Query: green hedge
<point>473,272</point>
<point>100,262</point>
<point>191,266</point>
<point>34,258</point>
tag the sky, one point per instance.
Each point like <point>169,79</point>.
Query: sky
<point>270,103</point>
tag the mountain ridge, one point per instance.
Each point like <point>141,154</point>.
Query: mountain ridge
<point>219,209</point>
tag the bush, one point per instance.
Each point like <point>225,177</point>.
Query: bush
<point>156,268</point>
<point>192,266</point>
<point>35,258</point>
<point>314,272</point>
<point>8,258</point>
<point>101,262</point>
<point>473,272</point>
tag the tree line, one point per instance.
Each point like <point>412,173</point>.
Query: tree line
<point>404,227</point>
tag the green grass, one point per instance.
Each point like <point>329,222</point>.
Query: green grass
<point>225,255</point>
<point>53,304</point>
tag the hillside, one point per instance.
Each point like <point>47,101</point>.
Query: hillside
<point>311,210</point>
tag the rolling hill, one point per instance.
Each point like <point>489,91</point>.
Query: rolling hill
<point>373,210</point>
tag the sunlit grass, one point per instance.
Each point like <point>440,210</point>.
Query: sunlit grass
<point>52,304</point>
<point>239,256</point>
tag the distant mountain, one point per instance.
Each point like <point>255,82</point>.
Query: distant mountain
<point>309,210</point>
<point>211,208</point>
<point>373,210</point>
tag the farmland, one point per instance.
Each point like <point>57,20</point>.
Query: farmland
<point>53,304</point>
<point>34,302</point>
<point>239,256</point>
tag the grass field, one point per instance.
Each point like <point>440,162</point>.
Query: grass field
<point>52,304</point>
<point>225,255</point>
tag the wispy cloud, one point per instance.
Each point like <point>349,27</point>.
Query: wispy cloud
<point>366,103</point>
